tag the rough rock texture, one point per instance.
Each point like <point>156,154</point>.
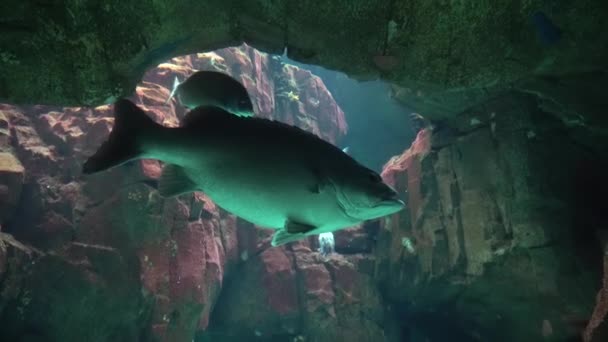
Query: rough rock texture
<point>597,327</point>
<point>445,55</point>
<point>104,257</point>
<point>11,181</point>
<point>302,294</point>
<point>278,91</point>
<point>499,236</point>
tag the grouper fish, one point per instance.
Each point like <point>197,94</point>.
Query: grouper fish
<point>269,173</point>
<point>215,89</point>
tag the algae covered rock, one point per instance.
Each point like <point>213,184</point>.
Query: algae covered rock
<point>446,56</point>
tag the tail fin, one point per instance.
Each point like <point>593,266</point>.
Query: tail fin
<point>175,86</point>
<point>124,142</point>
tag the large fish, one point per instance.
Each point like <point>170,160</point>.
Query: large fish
<point>266,172</point>
<point>212,88</point>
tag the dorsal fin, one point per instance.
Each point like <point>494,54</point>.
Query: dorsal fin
<point>176,84</point>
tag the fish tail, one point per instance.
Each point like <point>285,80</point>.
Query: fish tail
<point>124,143</point>
<point>173,90</point>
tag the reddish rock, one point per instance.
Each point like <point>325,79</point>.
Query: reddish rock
<point>261,298</point>
<point>11,182</point>
<point>345,276</point>
<point>5,133</point>
<point>305,94</point>
<point>198,282</point>
<point>165,73</point>
<point>94,282</point>
<point>347,302</point>
<point>488,203</point>
<point>316,282</point>
<point>278,279</point>
<point>404,173</point>
<point>229,229</point>
<point>182,260</point>
<point>282,92</point>
<point>352,240</point>
<point>332,299</point>
<point>37,157</point>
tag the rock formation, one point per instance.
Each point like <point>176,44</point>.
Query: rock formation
<point>499,236</point>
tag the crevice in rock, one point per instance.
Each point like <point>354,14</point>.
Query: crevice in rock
<point>461,261</point>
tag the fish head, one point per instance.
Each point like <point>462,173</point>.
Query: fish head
<point>363,195</point>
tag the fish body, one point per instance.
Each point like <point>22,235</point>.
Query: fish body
<point>212,88</point>
<point>271,174</point>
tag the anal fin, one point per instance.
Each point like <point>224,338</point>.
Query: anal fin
<point>293,231</point>
<point>293,227</point>
<point>281,237</point>
<point>174,181</point>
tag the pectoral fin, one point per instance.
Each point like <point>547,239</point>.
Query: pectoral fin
<point>281,237</point>
<point>293,227</point>
<point>293,231</point>
<point>174,181</point>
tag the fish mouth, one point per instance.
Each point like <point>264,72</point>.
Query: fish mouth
<point>391,202</point>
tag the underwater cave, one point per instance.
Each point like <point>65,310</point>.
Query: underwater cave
<point>487,119</point>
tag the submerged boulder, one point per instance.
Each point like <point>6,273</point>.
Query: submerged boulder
<point>296,294</point>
